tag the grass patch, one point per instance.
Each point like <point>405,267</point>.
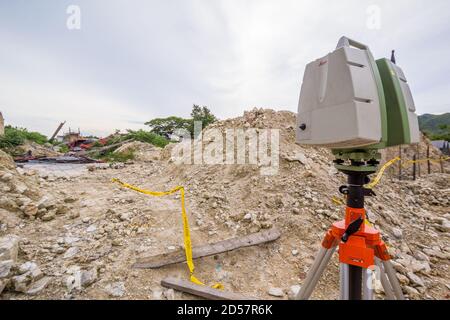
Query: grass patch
<point>63,148</point>
<point>139,135</point>
<point>112,156</point>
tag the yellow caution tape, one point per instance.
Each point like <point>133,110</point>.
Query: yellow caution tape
<point>381,172</point>
<point>426,160</point>
<point>337,201</point>
<point>187,235</point>
<point>391,162</point>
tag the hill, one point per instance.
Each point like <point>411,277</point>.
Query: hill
<point>433,126</point>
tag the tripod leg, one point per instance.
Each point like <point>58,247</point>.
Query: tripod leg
<point>385,281</point>
<point>319,272</point>
<point>311,272</point>
<point>367,284</point>
<point>343,272</point>
<point>322,259</point>
<point>390,272</point>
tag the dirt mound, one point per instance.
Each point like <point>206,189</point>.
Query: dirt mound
<point>298,200</point>
<point>36,150</point>
<point>142,151</point>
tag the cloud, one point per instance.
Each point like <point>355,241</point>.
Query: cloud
<point>132,61</point>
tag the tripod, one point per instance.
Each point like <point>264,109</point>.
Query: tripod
<point>360,246</point>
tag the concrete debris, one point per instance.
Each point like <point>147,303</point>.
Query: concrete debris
<point>9,248</point>
<point>116,289</point>
<point>293,291</point>
<point>276,292</point>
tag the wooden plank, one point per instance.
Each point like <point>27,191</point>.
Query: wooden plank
<point>165,259</point>
<point>202,291</point>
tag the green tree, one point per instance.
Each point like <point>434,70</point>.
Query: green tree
<point>202,114</point>
<point>167,126</point>
<point>146,136</point>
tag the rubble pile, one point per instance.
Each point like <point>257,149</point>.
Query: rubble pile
<point>36,150</point>
<point>21,194</point>
<point>87,253</point>
<point>412,215</point>
<point>19,277</point>
<point>142,151</point>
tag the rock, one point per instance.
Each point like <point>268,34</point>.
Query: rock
<point>402,279</point>
<point>5,268</point>
<point>87,277</point>
<point>444,226</point>
<point>49,216</point>
<point>247,217</point>
<point>38,286</point>
<point>70,199</point>
<point>74,214</point>
<point>171,248</point>
<point>69,240</point>
<point>116,242</point>
<point>6,177</point>
<point>28,266</point>
<point>124,216</point>
<point>57,249</point>
<point>411,292</point>
<point>41,212</point>
<point>62,210</point>
<point>91,228</point>
<point>399,267</point>
<point>71,252</point>
<point>294,252</point>
<point>3,284</point>
<point>420,266</point>
<point>293,291</point>
<point>30,210</point>
<point>46,203</point>
<point>21,282</point>
<point>9,248</point>
<point>157,294</point>
<point>397,233</point>
<point>296,211</point>
<point>116,289</point>
<point>421,256</point>
<point>71,283</point>
<point>169,294</point>
<point>299,156</point>
<point>8,204</point>
<point>276,292</point>
<point>415,280</point>
<point>20,188</point>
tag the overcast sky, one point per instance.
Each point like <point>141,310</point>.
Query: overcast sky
<point>134,60</point>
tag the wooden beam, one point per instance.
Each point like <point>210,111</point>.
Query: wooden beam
<point>165,259</point>
<point>202,291</point>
